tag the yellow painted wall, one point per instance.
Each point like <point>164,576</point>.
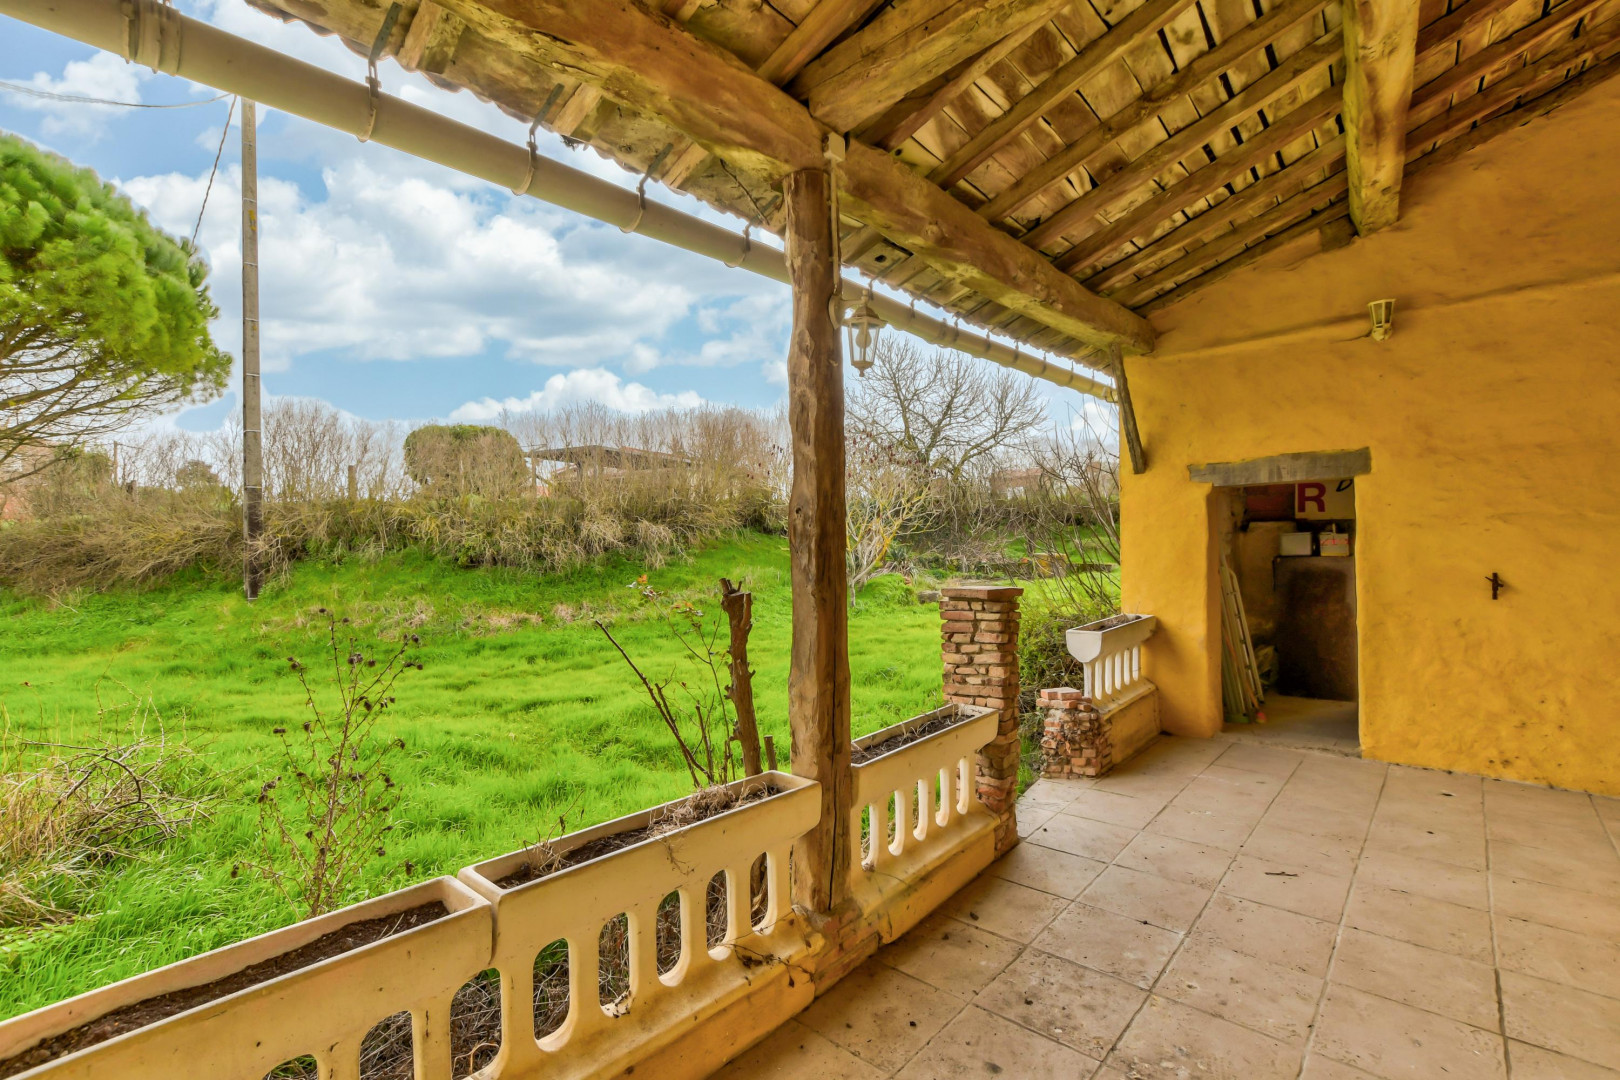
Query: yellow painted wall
<point>1493,416</point>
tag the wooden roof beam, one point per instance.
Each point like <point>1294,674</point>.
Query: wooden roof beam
<point>657,68</point>
<point>1257,35</point>
<point>884,66</point>
<point>1288,77</point>
<point>971,72</point>
<point>1266,144</point>
<point>1280,185</point>
<point>1501,54</point>
<point>1380,49</point>
<point>1145,21</point>
<point>826,22</point>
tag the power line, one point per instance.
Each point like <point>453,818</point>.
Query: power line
<point>34,91</point>
<point>197,228</point>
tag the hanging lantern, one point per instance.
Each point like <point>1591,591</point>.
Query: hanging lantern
<point>864,323</point>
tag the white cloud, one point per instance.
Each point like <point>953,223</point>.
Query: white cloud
<point>576,388</point>
<point>103,76</point>
<point>399,268</point>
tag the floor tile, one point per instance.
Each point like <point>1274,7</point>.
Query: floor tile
<point>1568,909</point>
<point>1242,783</point>
<point>1465,849</point>
<point>1261,759</point>
<point>1223,797</point>
<point>1082,836</point>
<point>1318,1067</point>
<point>1055,872</point>
<point>1292,888</point>
<point>794,1052</point>
<point>1423,978</point>
<point>1535,1063</point>
<point>1285,846</point>
<point>1584,837</point>
<point>1267,933</point>
<point>1153,899</point>
<point>1210,828</point>
<point>1127,810</point>
<point>1333,822</point>
<point>1562,1018</point>
<point>950,955</point>
<point>880,1015</point>
<point>1032,817</point>
<point>1273,1000</point>
<point>1560,956</point>
<point>1396,1041</point>
<point>1170,1041</point>
<point>1176,859</point>
<point>1053,794</point>
<point>1571,871</point>
<point>979,1044</point>
<point>1162,786</point>
<point>1434,924</point>
<point>1004,907</point>
<point>1425,877</point>
<point>1073,1005</point>
<point>1110,943</point>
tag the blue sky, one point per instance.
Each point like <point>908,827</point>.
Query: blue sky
<point>391,287</point>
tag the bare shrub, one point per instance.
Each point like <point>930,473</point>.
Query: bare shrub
<point>466,459</point>
<point>888,493</point>
<point>72,810</point>
<point>320,835</point>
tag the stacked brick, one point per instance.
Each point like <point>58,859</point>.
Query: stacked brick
<point>980,650</point>
<point>1074,739</point>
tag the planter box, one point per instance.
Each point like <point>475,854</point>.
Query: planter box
<point>712,1003</point>
<point>899,881</point>
<point>323,1010</point>
<point>1106,636</point>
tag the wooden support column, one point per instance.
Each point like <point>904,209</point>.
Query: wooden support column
<point>818,680</point>
<point>1380,45</point>
<point>1127,414</point>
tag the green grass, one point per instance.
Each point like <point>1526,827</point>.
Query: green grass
<point>510,724</point>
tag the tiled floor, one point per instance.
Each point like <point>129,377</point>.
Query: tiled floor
<point>1298,723</point>
<point>1221,910</point>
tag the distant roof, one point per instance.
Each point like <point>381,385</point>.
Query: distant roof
<point>612,457</point>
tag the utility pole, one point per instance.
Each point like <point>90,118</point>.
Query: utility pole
<point>252,448</point>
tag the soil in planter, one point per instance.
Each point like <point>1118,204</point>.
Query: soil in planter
<point>154,1009</point>
<point>544,861</point>
<point>861,755</point>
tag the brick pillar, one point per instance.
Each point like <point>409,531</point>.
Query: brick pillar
<point>1074,738</point>
<point>980,632</point>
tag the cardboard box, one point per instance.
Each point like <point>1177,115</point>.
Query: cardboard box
<point>1294,543</point>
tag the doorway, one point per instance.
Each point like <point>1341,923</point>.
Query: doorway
<point>1291,548</point>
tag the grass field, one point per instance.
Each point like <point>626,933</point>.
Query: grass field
<point>523,711</point>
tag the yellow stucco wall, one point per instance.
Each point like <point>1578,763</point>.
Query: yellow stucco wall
<point>1493,417</point>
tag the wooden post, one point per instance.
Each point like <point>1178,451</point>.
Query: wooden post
<point>1127,414</point>
<point>770,752</point>
<point>818,679</point>
<point>252,448</point>
<point>739,609</point>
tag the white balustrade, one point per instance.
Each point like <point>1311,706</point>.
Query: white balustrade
<point>1110,655</point>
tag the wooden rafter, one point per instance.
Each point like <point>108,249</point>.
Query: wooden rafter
<point>911,120</point>
<point>825,23</point>
<point>430,40</point>
<point>1503,54</point>
<point>1148,19</point>
<point>1325,223</point>
<point>1526,80</point>
<point>657,69</point>
<point>885,66</point>
<point>1269,190</point>
<point>1289,76</point>
<point>1222,247</point>
<point>1214,176</point>
<point>1257,35</point>
<point>1380,50</point>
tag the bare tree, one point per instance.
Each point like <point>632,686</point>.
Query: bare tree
<point>943,409</point>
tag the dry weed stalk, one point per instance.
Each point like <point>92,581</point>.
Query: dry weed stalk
<point>319,839</point>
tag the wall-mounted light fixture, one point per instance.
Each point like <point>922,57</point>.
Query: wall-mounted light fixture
<point>1383,318</point>
<point>863,323</point>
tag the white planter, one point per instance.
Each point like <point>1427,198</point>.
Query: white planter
<point>739,990</point>
<point>953,837</point>
<point>1098,639</point>
<point>323,1010</point>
